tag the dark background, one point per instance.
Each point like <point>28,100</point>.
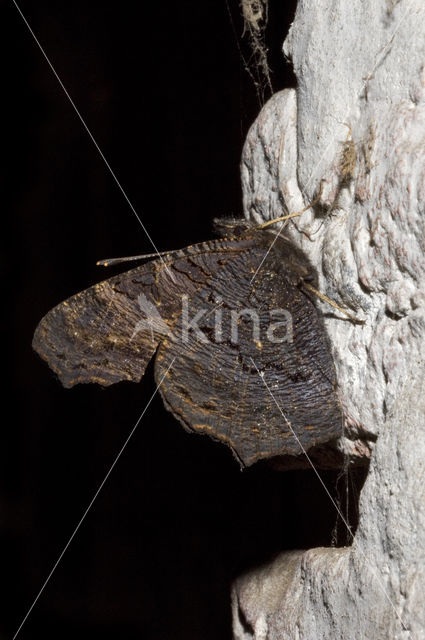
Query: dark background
<point>163,89</point>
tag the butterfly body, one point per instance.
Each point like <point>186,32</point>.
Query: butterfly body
<point>242,353</point>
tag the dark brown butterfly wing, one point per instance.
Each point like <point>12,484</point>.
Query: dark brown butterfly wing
<point>215,388</point>
<point>215,385</point>
<point>110,331</point>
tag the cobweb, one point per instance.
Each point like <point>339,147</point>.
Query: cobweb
<point>255,14</point>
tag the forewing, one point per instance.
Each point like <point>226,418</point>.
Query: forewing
<point>110,331</point>
<point>244,392</point>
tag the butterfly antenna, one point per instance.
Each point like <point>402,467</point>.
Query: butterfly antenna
<point>109,262</point>
<point>280,219</point>
<point>292,215</point>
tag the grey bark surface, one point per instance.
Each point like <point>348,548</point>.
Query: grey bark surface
<point>355,127</point>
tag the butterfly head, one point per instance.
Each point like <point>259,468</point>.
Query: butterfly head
<point>232,227</point>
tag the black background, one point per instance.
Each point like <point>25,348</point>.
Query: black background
<point>163,89</point>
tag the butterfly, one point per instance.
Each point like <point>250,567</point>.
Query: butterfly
<point>242,353</point>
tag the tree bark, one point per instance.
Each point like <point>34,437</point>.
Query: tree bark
<point>355,127</point>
